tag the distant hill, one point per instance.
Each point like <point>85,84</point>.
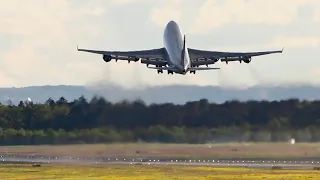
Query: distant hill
<point>160,94</point>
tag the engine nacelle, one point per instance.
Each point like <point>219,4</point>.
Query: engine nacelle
<point>135,59</point>
<point>107,58</point>
<point>214,59</point>
<point>247,60</point>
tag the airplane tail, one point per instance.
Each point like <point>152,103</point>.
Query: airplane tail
<point>183,53</point>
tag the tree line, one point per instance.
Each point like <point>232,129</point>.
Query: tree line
<point>98,120</point>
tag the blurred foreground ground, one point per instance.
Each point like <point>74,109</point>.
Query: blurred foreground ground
<point>142,172</point>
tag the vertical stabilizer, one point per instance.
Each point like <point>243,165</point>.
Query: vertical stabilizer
<point>183,49</point>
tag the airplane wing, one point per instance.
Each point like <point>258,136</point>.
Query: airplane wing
<point>124,55</point>
<point>196,54</point>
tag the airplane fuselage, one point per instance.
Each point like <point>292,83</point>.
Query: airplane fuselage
<point>173,41</point>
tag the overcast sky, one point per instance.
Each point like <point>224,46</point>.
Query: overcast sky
<point>38,40</point>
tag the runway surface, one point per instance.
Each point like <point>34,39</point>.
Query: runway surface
<point>237,163</point>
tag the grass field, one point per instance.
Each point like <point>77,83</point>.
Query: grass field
<point>154,150</point>
<point>144,172</point>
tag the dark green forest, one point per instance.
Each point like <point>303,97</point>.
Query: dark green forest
<point>100,121</point>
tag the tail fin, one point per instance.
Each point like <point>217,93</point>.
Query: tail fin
<point>184,42</point>
<point>184,49</point>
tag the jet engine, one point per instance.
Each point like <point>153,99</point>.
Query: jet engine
<point>107,58</point>
<point>214,59</point>
<point>135,59</point>
<point>247,60</point>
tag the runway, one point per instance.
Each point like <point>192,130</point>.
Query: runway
<point>289,164</point>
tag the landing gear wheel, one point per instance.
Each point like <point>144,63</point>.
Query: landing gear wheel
<point>170,72</point>
<point>160,71</point>
<point>194,72</point>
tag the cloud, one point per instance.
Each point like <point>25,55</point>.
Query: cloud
<point>296,42</point>
<point>46,29</point>
<point>169,10</point>
<point>314,72</point>
<point>277,44</point>
<point>215,14</point>
<point>98,11</point>
<point>125,2</point>
<point>4,79</point>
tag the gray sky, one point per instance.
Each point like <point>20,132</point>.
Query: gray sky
<point>38,42</point>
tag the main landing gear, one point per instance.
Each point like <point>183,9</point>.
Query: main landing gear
<point>170,72</point>
<point>159,70</point>
<point>193,71</point>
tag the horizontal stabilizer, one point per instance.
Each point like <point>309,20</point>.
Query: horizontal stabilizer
<point>161,68</point>
<point>202,68</point>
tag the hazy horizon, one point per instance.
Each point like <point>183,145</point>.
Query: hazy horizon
<point>142,86</point>
<point>177,94</point>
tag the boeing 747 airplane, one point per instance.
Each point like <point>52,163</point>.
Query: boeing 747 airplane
<point>175,56</point>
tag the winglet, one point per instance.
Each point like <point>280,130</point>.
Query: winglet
<point>282,49</point>
<point>77,48</point>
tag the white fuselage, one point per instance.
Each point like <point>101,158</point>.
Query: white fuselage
<point>173,43</point>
